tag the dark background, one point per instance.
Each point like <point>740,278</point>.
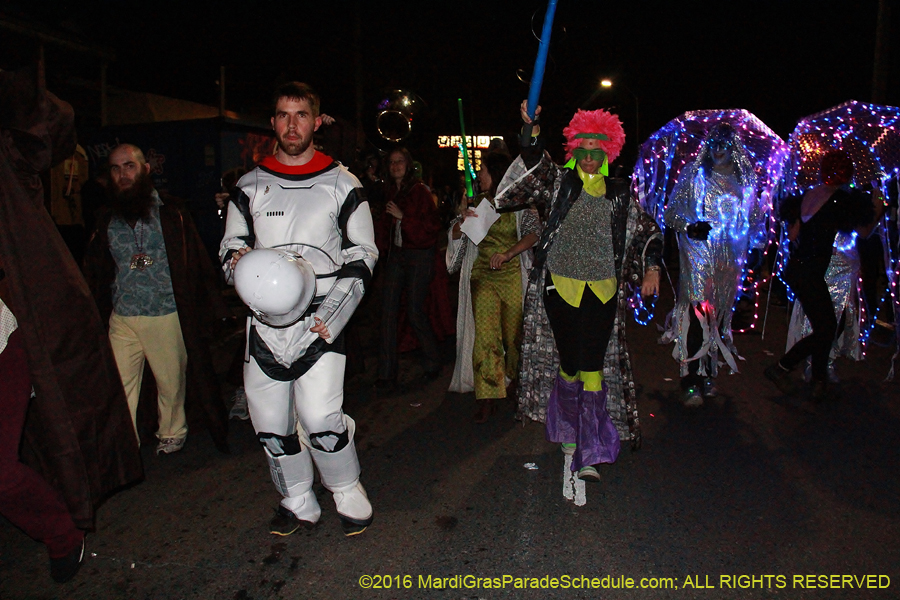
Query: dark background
<point>780,60</point>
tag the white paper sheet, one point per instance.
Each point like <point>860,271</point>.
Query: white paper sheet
<point>476,228</point>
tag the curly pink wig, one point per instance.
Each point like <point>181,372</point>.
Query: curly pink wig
<point>596,121</point>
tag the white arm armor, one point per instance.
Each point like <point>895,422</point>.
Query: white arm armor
<point>359,253</point>
<point>237,230</point>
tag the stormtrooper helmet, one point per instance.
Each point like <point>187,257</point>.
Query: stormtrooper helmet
<point>277,285</point>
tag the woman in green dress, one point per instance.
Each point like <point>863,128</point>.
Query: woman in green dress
<point>492,280</point>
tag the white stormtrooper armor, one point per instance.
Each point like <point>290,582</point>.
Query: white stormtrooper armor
<point>318,211</point>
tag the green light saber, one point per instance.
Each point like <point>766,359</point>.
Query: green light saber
<point>470,193</point>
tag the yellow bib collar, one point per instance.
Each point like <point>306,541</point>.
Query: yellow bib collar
<point>594,184</point>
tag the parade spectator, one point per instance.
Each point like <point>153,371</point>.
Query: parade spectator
<point>408,235</point>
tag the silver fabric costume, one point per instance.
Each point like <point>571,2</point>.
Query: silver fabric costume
<point>842,277</point>
<point>712,270</point>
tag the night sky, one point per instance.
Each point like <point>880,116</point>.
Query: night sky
<point>781,60</point>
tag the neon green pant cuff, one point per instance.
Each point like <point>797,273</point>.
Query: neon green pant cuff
<point>593,380</point>
<point>567,377</point>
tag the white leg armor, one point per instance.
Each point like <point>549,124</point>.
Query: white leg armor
<point>293,476</point>
<point>339,472</point>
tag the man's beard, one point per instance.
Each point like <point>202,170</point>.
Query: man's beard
<point>294,148</point>
<point>135,202</point>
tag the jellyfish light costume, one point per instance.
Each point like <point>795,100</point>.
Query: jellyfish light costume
<point>675,182</point>
<point>870,134</point>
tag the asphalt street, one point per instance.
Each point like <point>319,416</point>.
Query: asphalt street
<point>751,496</point>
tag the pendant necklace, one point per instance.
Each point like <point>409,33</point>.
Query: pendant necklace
<point>140,260</point>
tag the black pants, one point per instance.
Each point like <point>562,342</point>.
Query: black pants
<point>407,271</point>
<point>582,334</point>
<point>694,342</point>
<point>813,294</point>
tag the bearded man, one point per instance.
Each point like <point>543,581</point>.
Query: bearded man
<point>305,202</point>
<point>151,278</point>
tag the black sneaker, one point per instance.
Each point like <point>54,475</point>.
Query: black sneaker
<point>65,568</point>
<point>353,527</point>
<point>781,378</point>
<point>286,522</point>
<point>820,391</point>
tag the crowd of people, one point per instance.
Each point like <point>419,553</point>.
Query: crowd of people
<point>548,256</point>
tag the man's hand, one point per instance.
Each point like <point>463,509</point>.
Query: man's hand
<point>650,284</point>
<point>237,256</point>
<point>221,199</point>
<point>320,328</point>
<point>699,230</point>
<point>392,209</point>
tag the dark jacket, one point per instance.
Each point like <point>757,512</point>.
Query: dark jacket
<point>78,432</point>
<point>199,304</point>
<point>421,224</point>
<point>845,211</point>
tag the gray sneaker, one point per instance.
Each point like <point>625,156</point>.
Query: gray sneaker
<point>239,409</point>
<point>692,397</point>
<point>709,388</point>
<point>589,474</point>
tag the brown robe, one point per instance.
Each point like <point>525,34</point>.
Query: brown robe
<point>78,432</point>
<point>199,304</point>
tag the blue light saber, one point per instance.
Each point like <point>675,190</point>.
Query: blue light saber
<point>537,77</point>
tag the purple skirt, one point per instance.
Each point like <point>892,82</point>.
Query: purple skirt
<point>575,416</point>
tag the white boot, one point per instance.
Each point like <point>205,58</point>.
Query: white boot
<point>339,472</point>
<point>300,498</point>
<point>293,476</point>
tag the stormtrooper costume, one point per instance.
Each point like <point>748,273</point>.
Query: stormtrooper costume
<point>317,210</point>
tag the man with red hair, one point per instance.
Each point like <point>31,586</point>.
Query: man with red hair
<point>575,372</point>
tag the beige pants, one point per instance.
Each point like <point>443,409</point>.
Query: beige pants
<point>159,340</point>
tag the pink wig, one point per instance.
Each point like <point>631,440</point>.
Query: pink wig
<point>596,121</point>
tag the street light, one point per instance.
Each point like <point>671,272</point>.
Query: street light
<point>608,83</point>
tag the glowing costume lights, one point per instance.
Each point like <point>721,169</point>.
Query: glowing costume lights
<point>870,134</point>
<point>719,168</point>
